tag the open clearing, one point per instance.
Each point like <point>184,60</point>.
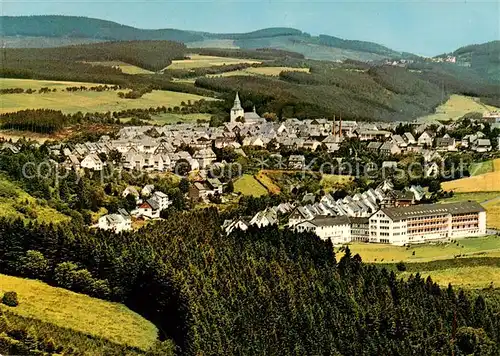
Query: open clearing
<point>485,246</point>
<point>87,101</point>
<point>488,182</point>
<point>79,312</point>
<point>124,67</point>
<point>248,185</point>
<point>16,203</point>
<point>268,71</point>
<point>199,61</point>
<point>456,107</point>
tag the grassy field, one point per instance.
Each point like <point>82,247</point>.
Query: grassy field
<point>267,182</point>
<point>493,213</point>
<point>485,246</point>
<point>124,67</point>
<point>331,181</point>
<point>16,203</point>
<point>488,182</point>
<point>477,169</point>
<point>468,277</point>
<point>248,185</point>
<point>86,101</point>
<point>37,84</point>
<point>199,61</point>
<point>79,312</point>
<point>269,71</point>
<point>478,197</point>
<point>456,107</point>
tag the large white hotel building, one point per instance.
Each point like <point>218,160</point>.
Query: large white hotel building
<point>403,225</point>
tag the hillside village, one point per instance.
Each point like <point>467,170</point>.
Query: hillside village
<point>189,149</point>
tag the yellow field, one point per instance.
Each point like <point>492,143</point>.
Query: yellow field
<point>269,71</point>
<point>456,107</point>
<point>124,67</point>
<point>248,185</point>
<point>79,312</point>
<point>493,213</point>
<point>199,61</point>
<point>488,182</point>
<point>488,246</point>
<point>86,101</point>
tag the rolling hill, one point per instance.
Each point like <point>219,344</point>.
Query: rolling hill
<point>483,58</point>
<point>54,31</point>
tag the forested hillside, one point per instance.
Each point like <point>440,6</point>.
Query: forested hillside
<point>263,292</point>
<point>353,91</point>
<point>152,55</point>
<point>290,39</point>
<point>483,58</point>
<point>84,27</point>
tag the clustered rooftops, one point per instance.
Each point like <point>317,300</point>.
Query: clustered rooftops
<point>400,213</point>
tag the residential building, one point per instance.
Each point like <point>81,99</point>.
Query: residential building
<point>336,229</point>
<point>116,222</point>
<point>92,162</point>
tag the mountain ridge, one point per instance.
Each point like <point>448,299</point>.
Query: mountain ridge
<point>76,27</point>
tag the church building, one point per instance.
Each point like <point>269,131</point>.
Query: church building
<point>250,118</point>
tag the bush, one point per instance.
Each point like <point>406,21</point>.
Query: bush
<point>401,266</point>
<point>10,299</point>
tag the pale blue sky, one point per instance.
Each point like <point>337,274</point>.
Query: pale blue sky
<point>423,27</point>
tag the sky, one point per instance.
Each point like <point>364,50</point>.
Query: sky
<point>423,27</point>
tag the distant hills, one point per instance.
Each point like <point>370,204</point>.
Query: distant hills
<point>55,30</point>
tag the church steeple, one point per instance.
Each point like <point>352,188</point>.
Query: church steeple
<point>237,102</point>
<point>237,111</point>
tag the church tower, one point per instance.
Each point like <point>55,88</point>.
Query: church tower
<point>237,111</point>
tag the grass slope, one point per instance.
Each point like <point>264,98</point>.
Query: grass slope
<point>477,169</point>
<point>269,71</point>
<point>84,101</point>
<point>79,312</point>
<point>248,185</point>
<point>485,246</point>
<point>124,67</point>
<point>456,107</point>
<point>488,182</point>
<point>468,277</point>
<point>16,203</point>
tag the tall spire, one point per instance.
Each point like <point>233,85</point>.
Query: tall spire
<point>237,103</point>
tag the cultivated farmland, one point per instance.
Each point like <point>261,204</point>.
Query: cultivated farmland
<point>268,71</point>
<point>79,312</point>
<point>84,101</point>
<point>199,61</point>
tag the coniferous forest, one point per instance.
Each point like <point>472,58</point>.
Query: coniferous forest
<point>263,292</point>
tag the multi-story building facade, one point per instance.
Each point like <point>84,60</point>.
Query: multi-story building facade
<point>428,222</point>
